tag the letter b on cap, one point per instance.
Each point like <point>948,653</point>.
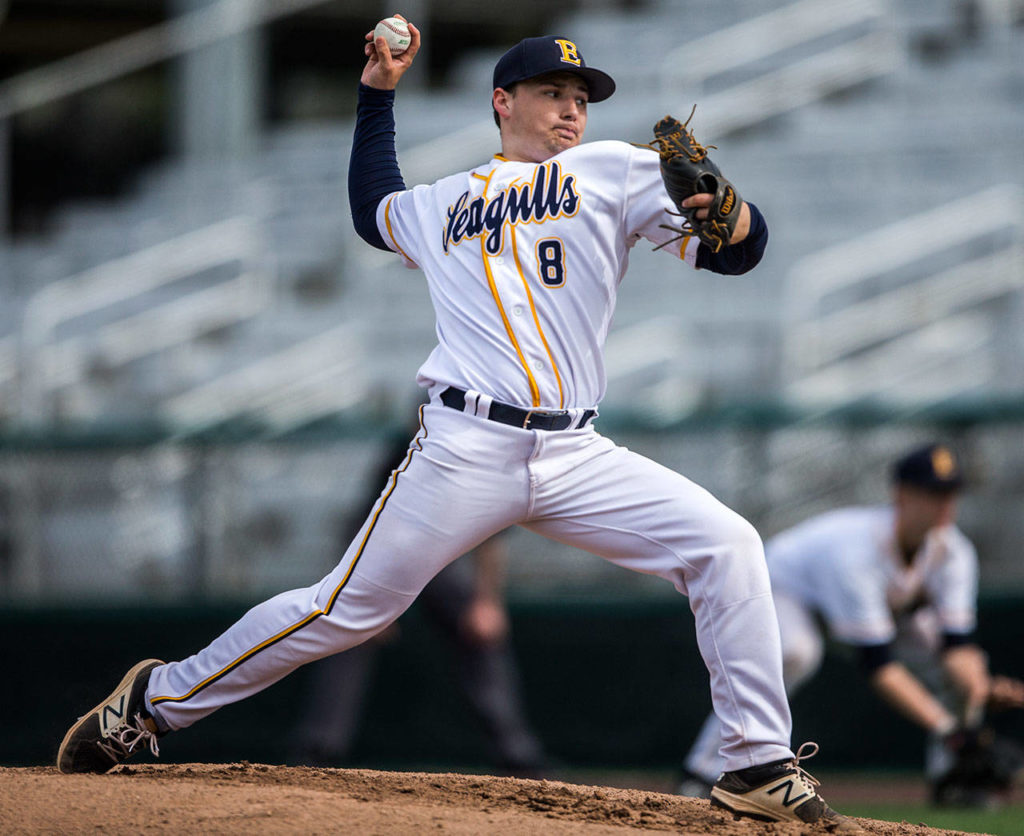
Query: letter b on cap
<point>569,55</point>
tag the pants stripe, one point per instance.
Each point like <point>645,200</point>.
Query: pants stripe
<point>416,446</point>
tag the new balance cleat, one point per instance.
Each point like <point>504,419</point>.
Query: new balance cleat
<point>780,791</point>
<point>114,730</point>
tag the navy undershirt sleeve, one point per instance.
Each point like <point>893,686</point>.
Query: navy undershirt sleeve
<point>735,259</point>
<point>373,171</point>
<point>875,656</point>
<point>951,640</point>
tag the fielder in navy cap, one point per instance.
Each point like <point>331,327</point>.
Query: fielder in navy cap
<point>933,467</point>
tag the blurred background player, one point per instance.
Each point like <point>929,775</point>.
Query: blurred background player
<point>899,583</point>
<point>465,603</point>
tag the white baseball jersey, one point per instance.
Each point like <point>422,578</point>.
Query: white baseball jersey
<point>845,565</point>
<point>524,304</point>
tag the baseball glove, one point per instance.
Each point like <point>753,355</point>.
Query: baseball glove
<point>983,770</point>
<point>687,170</point>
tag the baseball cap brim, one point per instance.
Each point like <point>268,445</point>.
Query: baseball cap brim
<point>950,486</point>
<point>600,85</point>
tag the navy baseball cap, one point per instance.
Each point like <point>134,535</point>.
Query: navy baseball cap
<point>532,57</point>
<point>933,467</point>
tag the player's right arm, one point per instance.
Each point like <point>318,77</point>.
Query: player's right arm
<point>904,692</point>
<point>373,171</point>
<point>855,606</point>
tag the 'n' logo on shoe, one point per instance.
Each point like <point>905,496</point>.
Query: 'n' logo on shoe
<point>112,715</point>
<point>787,786</point>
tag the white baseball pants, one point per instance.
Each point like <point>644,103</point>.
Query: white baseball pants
<point>917,644</point>
<point>803,649</point>
<point>466,478</point>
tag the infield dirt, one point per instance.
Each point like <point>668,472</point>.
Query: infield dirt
<point>255,799</point>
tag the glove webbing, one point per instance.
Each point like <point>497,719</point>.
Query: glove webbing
<point>672,145</point>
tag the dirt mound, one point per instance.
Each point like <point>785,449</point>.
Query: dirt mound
<point>249,799</point>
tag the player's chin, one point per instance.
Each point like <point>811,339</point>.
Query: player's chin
<point>562,142</point>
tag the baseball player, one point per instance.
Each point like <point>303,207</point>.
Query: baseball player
<point>523,256</point>
<point>899,583</point>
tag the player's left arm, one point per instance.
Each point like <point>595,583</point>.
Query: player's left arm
<point>732,234</point>
<point>746,246</point>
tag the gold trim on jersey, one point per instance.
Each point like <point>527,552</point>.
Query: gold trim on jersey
<point>536,320</point>
<point>387,223</point>
<point>416,446</point>
<point>534,389</point>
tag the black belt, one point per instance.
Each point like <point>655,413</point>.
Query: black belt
<point>527,419</point>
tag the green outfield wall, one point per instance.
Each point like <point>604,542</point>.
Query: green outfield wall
<point>609,683</point>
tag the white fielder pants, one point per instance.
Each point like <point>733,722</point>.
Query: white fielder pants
<point>466,478</point>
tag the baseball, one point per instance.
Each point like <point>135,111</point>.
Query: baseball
<point>396,32</point>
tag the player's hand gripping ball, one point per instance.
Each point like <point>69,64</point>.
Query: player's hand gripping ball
<point>395,31</point>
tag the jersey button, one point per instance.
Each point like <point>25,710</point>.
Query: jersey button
<point>499,260</point>
<point>518,310</point>
<point>538,365</point>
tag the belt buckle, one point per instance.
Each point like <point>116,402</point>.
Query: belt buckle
<point>549,413</point>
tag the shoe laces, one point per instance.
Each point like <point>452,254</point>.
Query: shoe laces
<point>125,740</point>
<point>801,755</point>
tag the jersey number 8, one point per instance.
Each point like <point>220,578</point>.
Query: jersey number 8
<point>551,262</point>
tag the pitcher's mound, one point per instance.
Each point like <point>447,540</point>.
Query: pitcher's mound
<point>252,799</point>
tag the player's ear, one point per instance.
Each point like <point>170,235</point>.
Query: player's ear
<point>501,101</point>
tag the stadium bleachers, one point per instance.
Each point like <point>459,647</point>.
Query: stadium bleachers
<point>807,166</point>
<point>924,113</point>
